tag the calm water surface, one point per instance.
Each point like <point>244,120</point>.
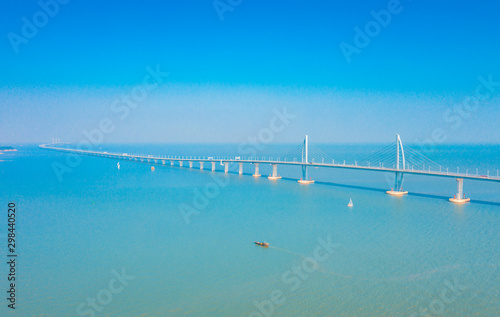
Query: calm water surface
<point>392,256</point>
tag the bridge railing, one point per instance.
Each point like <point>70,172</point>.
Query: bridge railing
<point>438,169</point>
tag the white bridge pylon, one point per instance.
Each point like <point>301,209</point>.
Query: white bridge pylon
<point>398,177</point>
<point>305,180</point>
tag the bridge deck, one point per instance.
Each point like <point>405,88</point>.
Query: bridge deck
<point>271,162</point>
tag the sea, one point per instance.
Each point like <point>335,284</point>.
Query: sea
<point>92,239</point>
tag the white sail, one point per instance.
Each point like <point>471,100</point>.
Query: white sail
<point>350,203</point>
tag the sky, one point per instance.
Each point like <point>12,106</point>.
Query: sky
<point>218,71</point>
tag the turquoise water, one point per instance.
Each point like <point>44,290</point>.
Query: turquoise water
<point>390,256</point>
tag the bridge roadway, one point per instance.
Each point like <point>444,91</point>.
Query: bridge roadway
<point>163,159</point>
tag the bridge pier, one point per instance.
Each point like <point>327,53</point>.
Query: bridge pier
<point>201,165</point>
<point>213,166</point>
<point>190,164</point>
<point>305,175</point>
<point>241,168</point>
<point>398,186</point>
<point>256,174</point>
<point>180,163</point>
<point>171,163</point>
<point>226,167</point>
<point>163,162</point>
<point>459,198</point>
<point>274,176</point>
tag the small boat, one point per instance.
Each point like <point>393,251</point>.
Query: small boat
<point>262,244</point>
<point>350,203</point>
<point>118,164</point>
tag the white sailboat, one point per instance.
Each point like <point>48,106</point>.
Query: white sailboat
<point>118,165</point>
<point>350,203</point>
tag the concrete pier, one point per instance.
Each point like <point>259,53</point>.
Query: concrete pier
<point>398,186</point>
<point>305,181</point>
<point>180,163</point>
<point>459,198</point>
<point>256,174</point>
<point>163,162</point>
<point>213,166</point>
<point>226,167</point>
<point>274,175</point>
<point>241,168</point>
<point>171,163</point>
<point>201,165</point>
<point>190,164</point>
<point>393,192</point>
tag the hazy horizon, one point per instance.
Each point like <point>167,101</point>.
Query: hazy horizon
<point>215,76</point>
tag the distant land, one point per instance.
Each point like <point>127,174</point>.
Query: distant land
<point>7,148</point>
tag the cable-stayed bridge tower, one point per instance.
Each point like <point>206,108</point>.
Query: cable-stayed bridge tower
<point>400,167</point>
<point>305,161</point>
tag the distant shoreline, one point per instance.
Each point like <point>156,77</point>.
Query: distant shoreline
<point>7,149</point>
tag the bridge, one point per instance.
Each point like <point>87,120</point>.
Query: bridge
<point>393,158</point>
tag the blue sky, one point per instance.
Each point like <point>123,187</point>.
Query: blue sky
<point>226,76</point>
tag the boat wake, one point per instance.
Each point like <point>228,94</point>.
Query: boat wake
<point>288,251</point>
<point>401,279</point>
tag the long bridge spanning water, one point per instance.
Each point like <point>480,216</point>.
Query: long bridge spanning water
<point>390,159</point>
